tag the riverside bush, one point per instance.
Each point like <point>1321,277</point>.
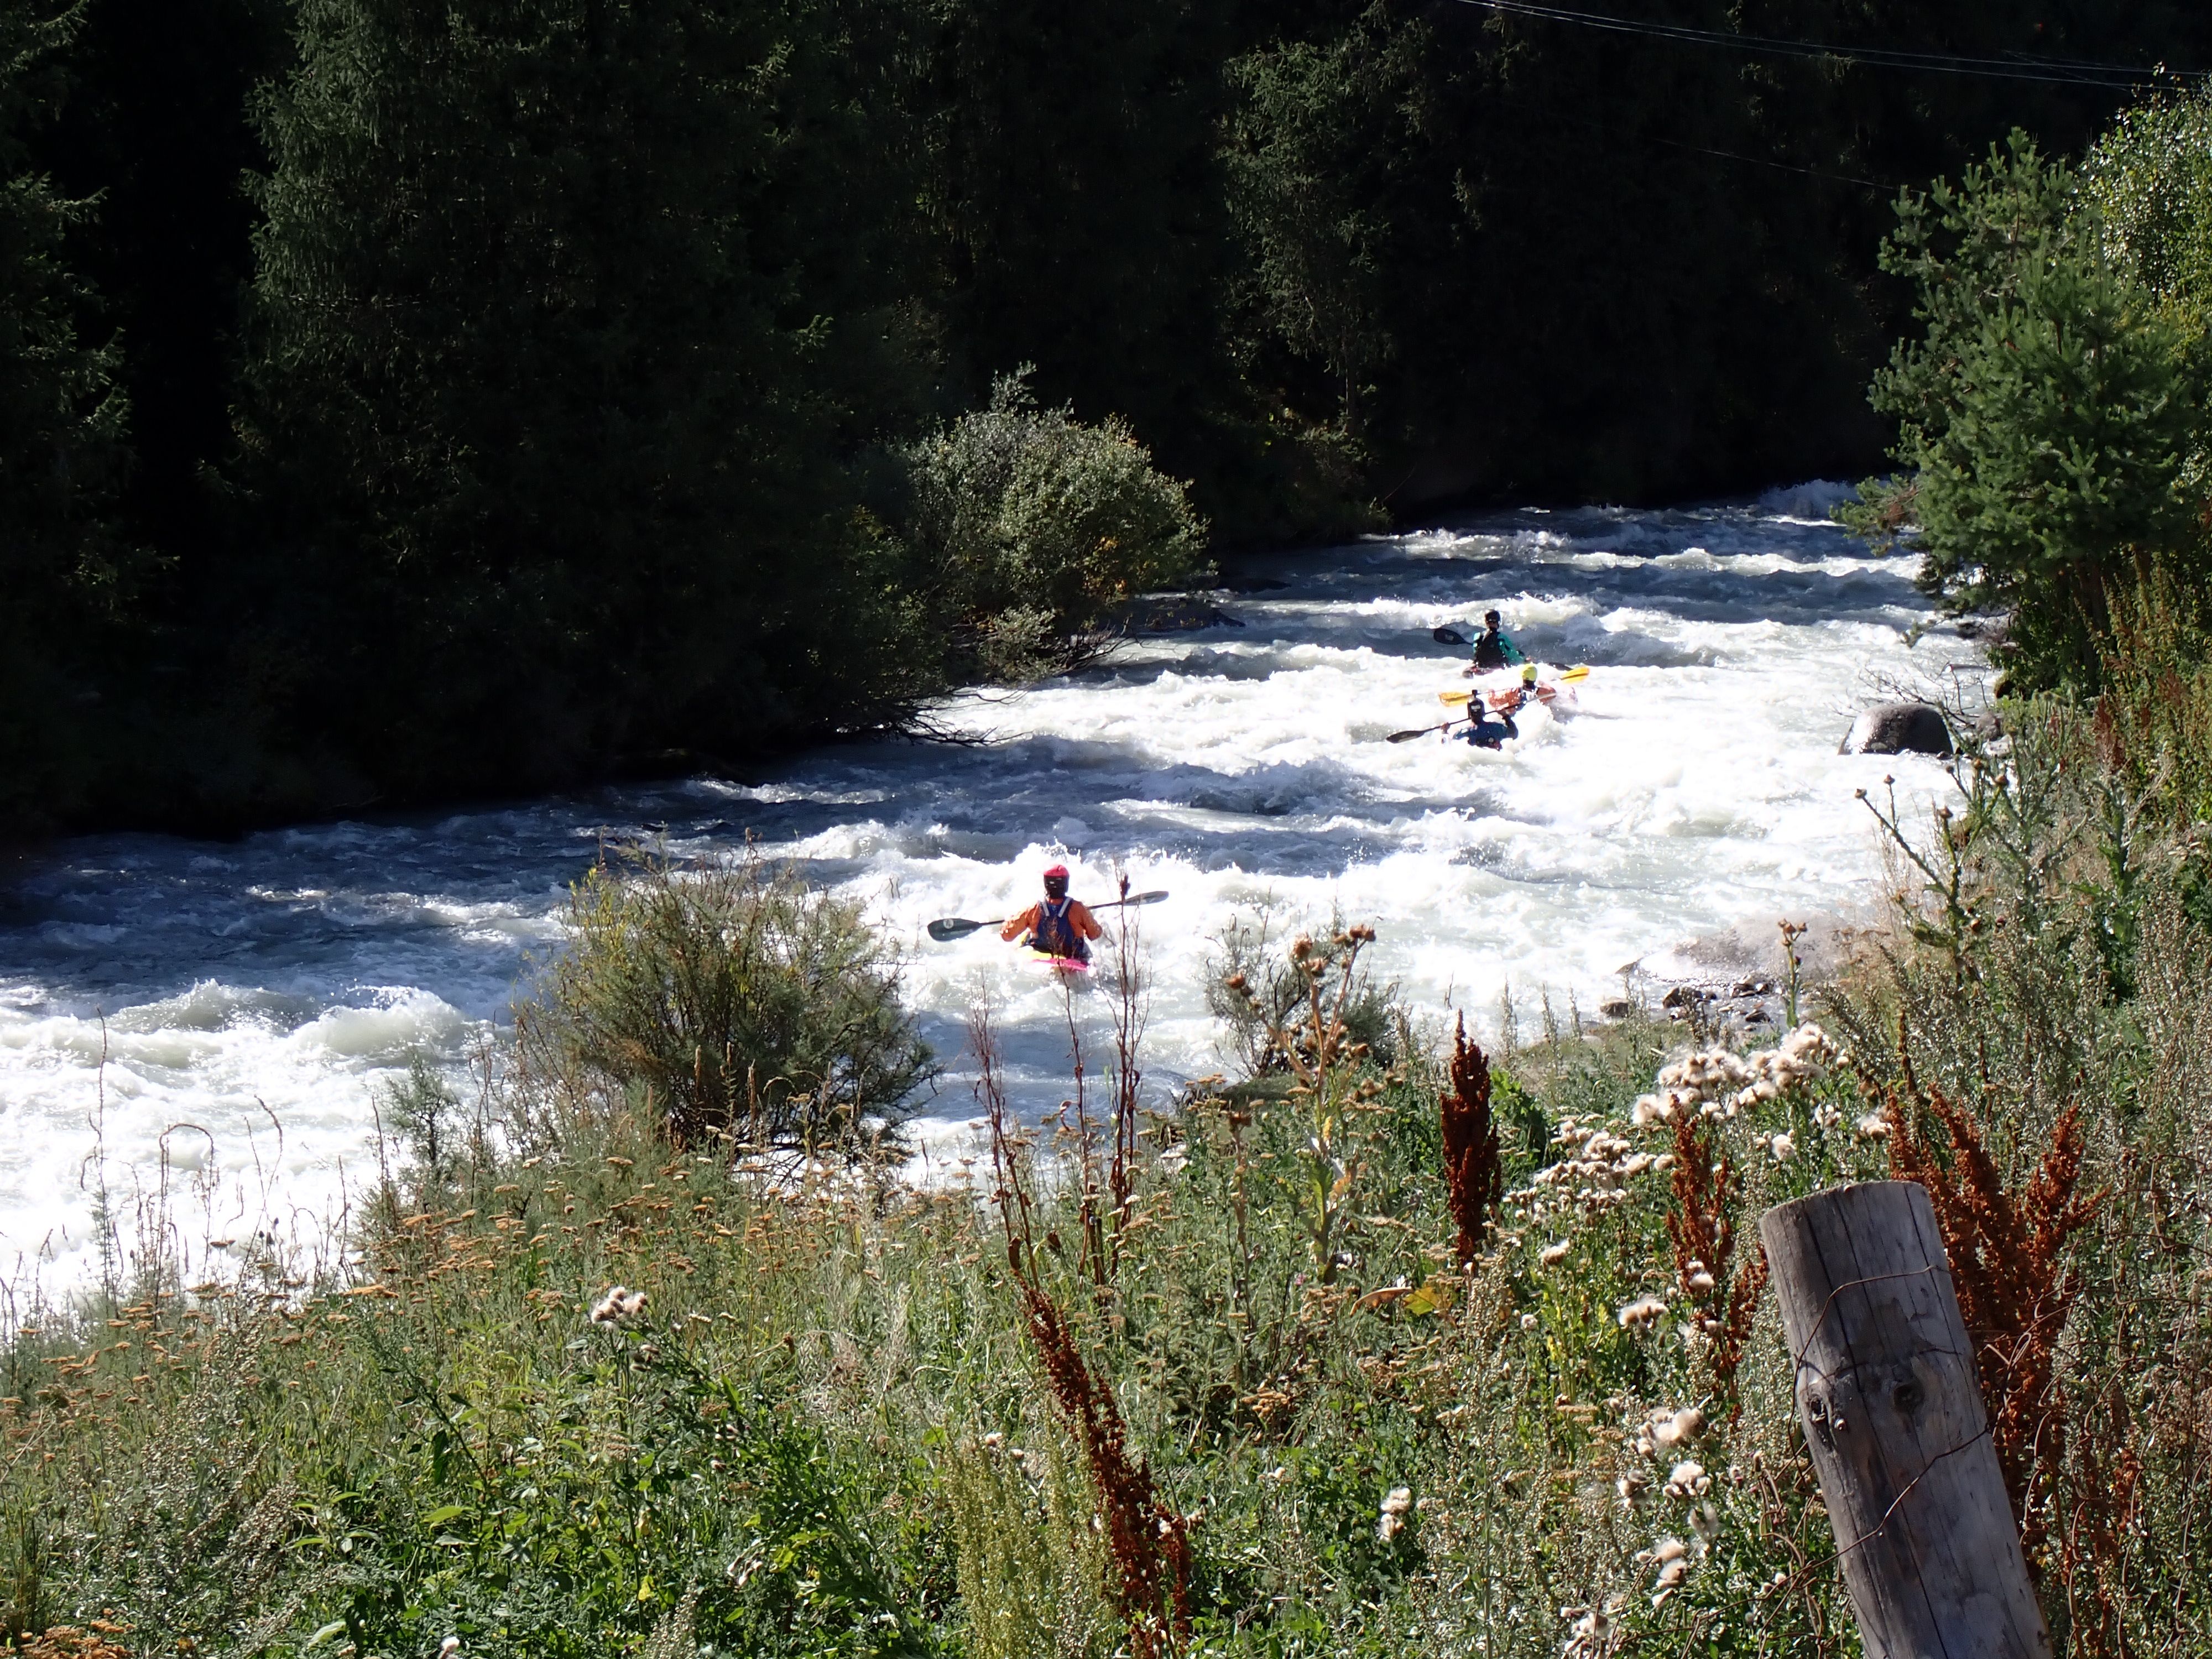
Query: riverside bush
<point>1035,525</point>
<point>2048,419</point>
<point>597,1392</point>
<point>740,1001</point>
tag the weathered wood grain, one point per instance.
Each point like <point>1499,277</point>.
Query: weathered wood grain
<point>1891,1410</point>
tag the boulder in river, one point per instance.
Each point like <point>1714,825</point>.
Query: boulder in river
<point>1897,728</point>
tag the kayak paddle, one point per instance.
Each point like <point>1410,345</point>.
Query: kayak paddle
<point>946,928</point>
<point>1407,737</point>
<point>1449,637</point>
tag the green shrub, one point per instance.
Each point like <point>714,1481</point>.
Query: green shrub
<point>1032,1574</point>
<point>1034,525</point>
<point>726,999</point>
<point>2047,417</point>
<point>2150,179</point>
<point>423,1113</point>
<point>2154,722</point>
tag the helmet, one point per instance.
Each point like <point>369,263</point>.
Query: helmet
<point>1528,673</point>
<point>1491,617</point>
<point>1055,880</point>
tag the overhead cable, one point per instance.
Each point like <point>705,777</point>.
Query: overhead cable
<point>2064,72</point>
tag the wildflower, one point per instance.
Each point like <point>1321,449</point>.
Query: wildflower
<point>1554,1254</point>
<point>1783,1147</point>
<point>1688,1479</point>
<point>1707,1520</point>
<point>1874,1126</point>
<point>1700,1281</point>
<point>618,1304</point>
<point>1395,1506</point>
<point>1528,1322</point>
<point>1677,1428</point>
<point>1641,1312</point>
<point>1592,1632</point>
<point>449,1647</point>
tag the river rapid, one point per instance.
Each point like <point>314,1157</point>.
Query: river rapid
<point>201,1026</point>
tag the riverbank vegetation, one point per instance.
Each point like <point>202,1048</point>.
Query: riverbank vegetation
<point>408,403</point>
<point>2054,403</point>
<point>1379,1342</point>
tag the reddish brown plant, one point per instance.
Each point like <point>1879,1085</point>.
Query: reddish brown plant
<point>1701,1227</point>
<point>2102,1509</point>
<point>71,1642</point>
<point>1148,1540</point>
<point>1471,1166</point>
<point>2007,1264</point>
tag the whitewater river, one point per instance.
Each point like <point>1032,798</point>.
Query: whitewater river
<point>247,997</point>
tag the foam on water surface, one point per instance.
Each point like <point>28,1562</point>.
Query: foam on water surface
<point>254,993</point>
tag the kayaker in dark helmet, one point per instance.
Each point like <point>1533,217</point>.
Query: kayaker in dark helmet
<point>1060,926</point>
<point>1487,734</point>
<point>1494,648</point>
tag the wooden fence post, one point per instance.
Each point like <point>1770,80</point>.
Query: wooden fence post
<point>1891,1410</point>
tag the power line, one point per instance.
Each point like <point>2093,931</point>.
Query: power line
<point>1764,161</point>
<point>2070,72</point>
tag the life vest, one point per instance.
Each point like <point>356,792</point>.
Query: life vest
<point>1489,649</point>
<point>1054,935</point>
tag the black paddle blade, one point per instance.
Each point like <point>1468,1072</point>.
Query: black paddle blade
<point>1449,636</point>
<point>1407,737</point>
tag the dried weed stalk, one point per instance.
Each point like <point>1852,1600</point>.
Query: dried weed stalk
<point>2105,1509</point>
<point>1701,1226</point>
<point>1147,1540</point>
<point>90,1641</point>
<point>2007,1263</point>
<point>1477,1182</point>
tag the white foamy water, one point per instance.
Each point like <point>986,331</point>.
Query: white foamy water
<point>255,992</point>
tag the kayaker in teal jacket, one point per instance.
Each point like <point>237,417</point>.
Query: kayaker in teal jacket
<point>1493,647</point>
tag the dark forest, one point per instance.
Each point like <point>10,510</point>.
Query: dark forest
<point>409,401</point>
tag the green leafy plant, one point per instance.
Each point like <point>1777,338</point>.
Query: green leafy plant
<point>2048,414</point>
<point>1033,525</point>
<point>739,1001</point>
